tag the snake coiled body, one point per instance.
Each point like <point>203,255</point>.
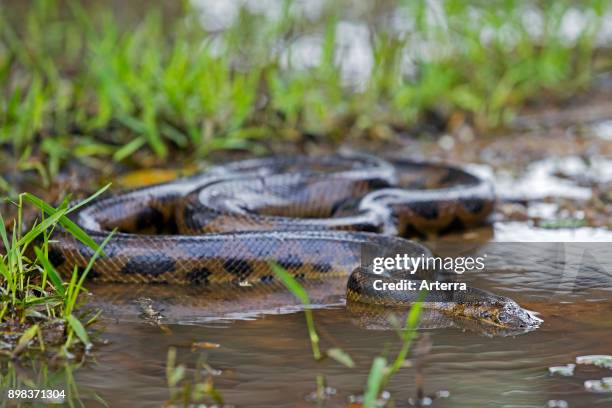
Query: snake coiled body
<point>310,215</point>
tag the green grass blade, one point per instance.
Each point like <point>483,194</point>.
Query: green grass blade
<point>414,316</point>
<point>25,339</point>
<point>129,149</point>
<point>341,356</point>
<point>39,229</point>
<point>4,235</point>
<point>54,215</point>
<point>289,281</point>
<point>89,199</point>
<point>299,292</point>
<point>79,330</point>
<point>375,380</point>
<point>6,274</point>
<point>93,259</point>
<point>53,274</point>
<point>412,323</point>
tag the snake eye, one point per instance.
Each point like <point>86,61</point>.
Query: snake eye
<point>504,317</point>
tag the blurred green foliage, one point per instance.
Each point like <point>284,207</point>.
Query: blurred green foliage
<point>83,82</point>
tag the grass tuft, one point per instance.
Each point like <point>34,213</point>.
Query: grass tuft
<point>36,302</point>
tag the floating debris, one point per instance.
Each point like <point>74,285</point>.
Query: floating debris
<point>557,404</point>
<point>208,369</point>
<point>429,399</point>
<point>357,400</point>
<point>327,392</point>
<point>422,402</point>
<point>600,360</point>
<point>442,394</point>
<point>204,345</point>
<point>148,311</point>
<point>150,314</point>
<point>603,385</point>
<point>566,370</point>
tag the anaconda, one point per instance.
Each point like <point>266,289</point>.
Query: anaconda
<point>310,215</point>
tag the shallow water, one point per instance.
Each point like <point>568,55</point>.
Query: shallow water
<point>266,362</point>
<point>264,359</point>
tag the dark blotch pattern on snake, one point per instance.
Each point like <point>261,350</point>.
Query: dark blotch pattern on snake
<point>307,214</point>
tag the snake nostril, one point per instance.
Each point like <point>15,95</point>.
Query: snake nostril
<point>485,315</point>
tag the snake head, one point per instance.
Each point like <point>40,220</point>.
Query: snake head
<point>506,313</point>
<point>512,315</point>
<point>500,314</point>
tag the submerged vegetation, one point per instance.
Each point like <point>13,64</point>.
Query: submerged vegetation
<point>87,84</point>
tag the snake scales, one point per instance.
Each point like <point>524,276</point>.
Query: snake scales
<point>311,215</point>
